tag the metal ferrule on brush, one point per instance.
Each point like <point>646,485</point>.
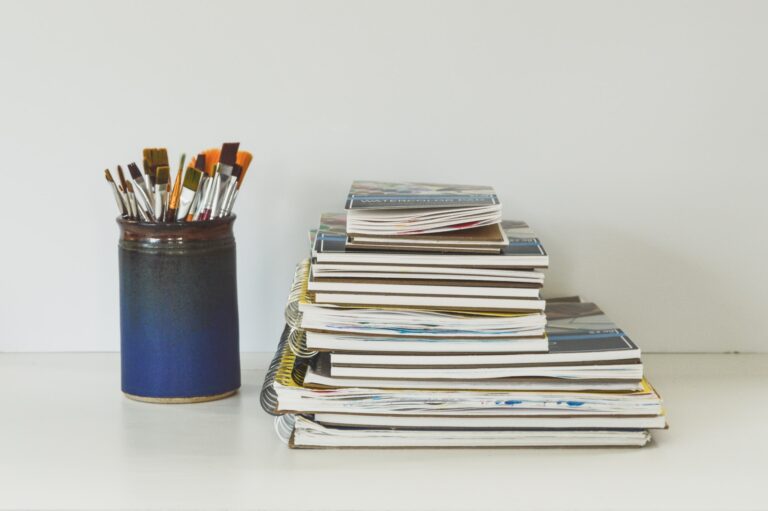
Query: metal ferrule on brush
<point>227,198</point>
<point>142,197</point>
<point>162,177</point>
<point>132,208</point>
<point>119,201</point>
<point>144,203</point>
<point>224,172</point>
<point>212,204</point>
<point>189,191</point>
<point>205,186</point>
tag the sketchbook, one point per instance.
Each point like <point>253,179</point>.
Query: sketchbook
<point>577,332</point>
<point>487,239</point>
<point>305,433</point>
<point>522,422</point>
<point>287,393</point>
<point>523,250</point>
<point>304,312</point>
<point>341,343</point>
<point>402,209</point>
<point>382,273</point>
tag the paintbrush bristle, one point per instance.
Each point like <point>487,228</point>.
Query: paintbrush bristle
<point>108,175</point>
<point>121,176</point>
<point>244,159</point>
<point>146,161</point>
<point>211,159</point>
<point>134,170</point>
<point>161,157</point>
<point>192,178</point>
<point>163,175</point>
<point>228,155</point>
<point>200,162</point>
<point>129,188</point>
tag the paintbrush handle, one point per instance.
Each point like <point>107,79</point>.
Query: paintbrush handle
<point>228,198</point>
<point>145,206</point>
<point>118,200</point>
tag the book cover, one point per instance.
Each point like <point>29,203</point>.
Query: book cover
<point>382,195</point>
<point>331,237</point>
<point>582,327</point>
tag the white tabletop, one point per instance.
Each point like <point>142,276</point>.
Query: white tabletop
<point>69,439</point>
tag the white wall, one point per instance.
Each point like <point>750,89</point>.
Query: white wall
<point>631,135</point>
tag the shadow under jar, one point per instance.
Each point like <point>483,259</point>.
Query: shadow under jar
<point>179,333</point>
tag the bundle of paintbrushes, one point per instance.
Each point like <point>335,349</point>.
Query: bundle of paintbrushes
<point>206,190</point>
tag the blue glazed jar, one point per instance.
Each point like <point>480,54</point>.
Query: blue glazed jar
<point>179,333</point>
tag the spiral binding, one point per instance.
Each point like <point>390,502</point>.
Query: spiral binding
<point>285,368</point>
<point>297,338</point>
<point>296,294</point>
<point>284,427</point>
<point>268,395</point>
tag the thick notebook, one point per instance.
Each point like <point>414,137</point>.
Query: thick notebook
<point>290,395</point>
<point>314,373</point>
<point>402,209</point>
<point>305,433</point>
<point>408,418</point>
<point>382,273</point>
<point>411,286</point>
<point>578,333</point>
<point>318,375</point>
<point>430,422</point>
<point>489,239</point>
<point>305,312</point>
<point>524,250</point>
<point>604,371</point>
<point>330,341</point>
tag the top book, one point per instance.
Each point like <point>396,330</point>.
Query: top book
<point>407,209</point>
<point>381,195</point>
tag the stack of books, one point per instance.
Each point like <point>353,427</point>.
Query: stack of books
<point>418,321</point>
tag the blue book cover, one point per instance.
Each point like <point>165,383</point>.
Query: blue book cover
<point>575,326</point>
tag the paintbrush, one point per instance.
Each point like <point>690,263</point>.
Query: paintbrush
<point>189,191</point>
<point>118,199</point>
<point>142,197</point>
<point>154,158</point>
<point>227,197</point>
<point>131,200</point>
<point>121,191</point>
<point>211,200</point>
<point>127,203</point>
<point>227,161</point>
<point>121,176</point>
<point>173,203</point>
<point>163,176</point>
<point>211,159</point>
<point>141,181</point>
<point>194,209</point>
<point>149,171</point>
<point>122,187</point>
<point>136,211</point>
<point>244,160</point>
<point>203,199</point>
